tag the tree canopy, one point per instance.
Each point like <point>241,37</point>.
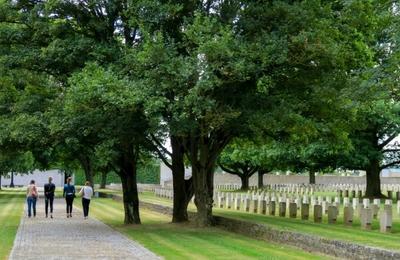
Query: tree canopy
<point>103,84</point>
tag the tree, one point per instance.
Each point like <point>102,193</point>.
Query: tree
<point>109,111</point>
<point>244,158</point>
<point>12,163</point>
<point>233,64</point>
<point>375,92</point>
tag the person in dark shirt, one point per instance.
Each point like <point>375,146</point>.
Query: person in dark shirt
<point>69,195</point>
<point>49,189</point>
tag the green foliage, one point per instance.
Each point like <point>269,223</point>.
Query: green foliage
<point>147,174</point>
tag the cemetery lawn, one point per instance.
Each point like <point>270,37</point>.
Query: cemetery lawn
<point>338,231</point>
<point>11,209</point>
<point>183,241</point>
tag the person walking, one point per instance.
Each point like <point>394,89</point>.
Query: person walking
<point>86,193</point>
<point>49,189</point>
<point>69,195</point>
<point>32,195</point>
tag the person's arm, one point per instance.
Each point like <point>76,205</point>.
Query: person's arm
<point>64,192</point>
<point>81,192</point>
<point>35,192</point>
<point>52,188</point>
<point>27,191</point>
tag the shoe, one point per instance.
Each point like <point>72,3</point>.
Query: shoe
<point>51,216</point>
<point>67,216</point>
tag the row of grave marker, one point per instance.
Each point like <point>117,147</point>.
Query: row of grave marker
<point>343,190</point>
<point>268,203</point>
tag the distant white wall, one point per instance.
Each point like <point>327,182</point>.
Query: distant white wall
<point>388,176</point>
<point>166,174</point>
<point>40,177</point>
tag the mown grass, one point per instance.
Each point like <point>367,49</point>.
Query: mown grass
<point>183,241</point>
<point>336,231</point>
<point>11,209</point>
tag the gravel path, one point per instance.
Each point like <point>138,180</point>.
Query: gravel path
<point>72,238</point>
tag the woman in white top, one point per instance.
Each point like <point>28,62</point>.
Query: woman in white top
<point>86,193</point>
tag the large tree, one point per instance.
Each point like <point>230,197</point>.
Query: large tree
<point>109,111</point>
<point>238,63</point>
<point>375,91</point>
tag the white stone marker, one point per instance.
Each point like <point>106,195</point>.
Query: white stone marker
<point>262,206</point>
<point>293,210</point>
<point>317,213</point>
<point>332,214</point>
<point>366,218</point>
<point>228,203</point>
<point>246,204</point>
<point>237,202</point>
<point>398,207</point>
<point>386,218</point>
<point>366,203</point>
<point>254,205</point>
<point>325,206</point>
<point>282,208</point>
<point>272,207</point>
<point>346,201</point>
<point>348,213</point>
<point>305,211</point>
<point>355,203</point>
<point>220,201</point>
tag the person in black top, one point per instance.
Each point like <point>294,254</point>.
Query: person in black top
<point>49,189</point>
<point>69,195</point>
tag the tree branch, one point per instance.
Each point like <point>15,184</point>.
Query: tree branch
<point>391,150</point>
<point>155,140</point>
<point>390,164</point>
<point>390,138</point>
<point>228,170</point>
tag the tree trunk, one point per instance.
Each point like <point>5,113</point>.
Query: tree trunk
<point>203,182</point>
<point>103,182</point>
<point>203,151</point>
<point>183,190</point>
<point>129,189</point>
<point>245,181</point>
<point>1,176</point>
<point>373,180</point>
<point>12,180</point>
<point>261,178</point>
<point>87,168</point>
<point>312,177</point>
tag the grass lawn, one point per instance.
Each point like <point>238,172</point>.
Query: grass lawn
<point>183,241</point>
<point>332,231</point>
<point>11,208</point>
